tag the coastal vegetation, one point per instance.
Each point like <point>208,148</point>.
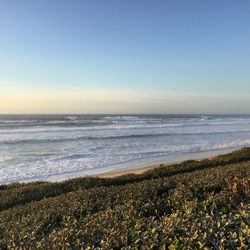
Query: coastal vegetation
<point>192,205</point>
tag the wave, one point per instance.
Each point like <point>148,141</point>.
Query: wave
<point>79,163</point>
<point>75,123</point>
<point>71,157</point>
<point>113,137</point>
<point>4,157</point>
<point>72,118</point>
<point>17,121</point>
<point>122,117</point>
<point>36,147</point>
<point>54,126</point>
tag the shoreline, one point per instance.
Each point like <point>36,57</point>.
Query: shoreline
<point>132,167</point>
<point>177,159</point>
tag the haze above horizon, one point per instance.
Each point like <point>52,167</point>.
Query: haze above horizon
<point>124,57</point>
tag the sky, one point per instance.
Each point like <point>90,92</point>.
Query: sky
<point>124,56</point>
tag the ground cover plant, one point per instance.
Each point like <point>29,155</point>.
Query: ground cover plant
<point>191,205</point>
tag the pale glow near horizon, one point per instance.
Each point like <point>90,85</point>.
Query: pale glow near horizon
<point>122,57</point>
<point>34,101</point>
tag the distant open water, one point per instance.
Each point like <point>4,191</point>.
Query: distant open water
<point>38,147</point>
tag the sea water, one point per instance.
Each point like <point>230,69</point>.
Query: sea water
<point>41,147</point>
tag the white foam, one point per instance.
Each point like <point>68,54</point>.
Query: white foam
<point>72,118</point>
<point>40,152</point>
<point>4,157</point>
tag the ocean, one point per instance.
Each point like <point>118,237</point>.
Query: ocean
<point>48,147</point>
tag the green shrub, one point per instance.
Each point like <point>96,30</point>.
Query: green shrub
<point>192,205</point>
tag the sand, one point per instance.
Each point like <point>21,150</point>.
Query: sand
<point>178,159</point>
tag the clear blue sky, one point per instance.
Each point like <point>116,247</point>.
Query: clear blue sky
<point>171,47</point>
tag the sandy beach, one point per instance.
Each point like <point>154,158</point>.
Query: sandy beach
<point>140,169</point>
